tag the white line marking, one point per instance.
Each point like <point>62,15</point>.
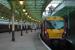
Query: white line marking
<point>45,44</point>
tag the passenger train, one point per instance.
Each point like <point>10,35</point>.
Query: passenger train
<point>7,27</point>
<point>53,28</point>
<point>54,32</point>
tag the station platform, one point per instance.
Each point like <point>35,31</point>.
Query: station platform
<point>29,41</point>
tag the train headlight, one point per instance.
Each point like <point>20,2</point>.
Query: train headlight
<point>45,32</point>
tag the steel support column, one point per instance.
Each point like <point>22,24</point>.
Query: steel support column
<point>13,28</point>
<point>21,28</point>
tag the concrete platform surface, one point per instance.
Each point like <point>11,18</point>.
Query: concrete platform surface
<point>29,41</point>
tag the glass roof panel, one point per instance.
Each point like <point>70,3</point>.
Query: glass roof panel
<point>35,7</point>
<point>53,3</point>
<point>5,3</point>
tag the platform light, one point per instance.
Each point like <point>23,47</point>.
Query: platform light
<point>21,2</point>
<point>2,17</point>
<point>26,13</point>
<point>39,21</point>
<point>30,17</point>
<point>16,20</point>
<point>24,10</point>
<point>35,20</point>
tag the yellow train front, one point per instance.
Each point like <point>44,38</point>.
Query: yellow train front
<point>53,28</point>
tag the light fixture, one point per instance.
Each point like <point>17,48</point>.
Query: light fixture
<point>2,17</point>
<point>24,10</point>
<point>16,20</point>
<point>26,13</point>
<point>35,20</point>
<point>39,21</point>
<point>21,2</point>
<point>30,17</point>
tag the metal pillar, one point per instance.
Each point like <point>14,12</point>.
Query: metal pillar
<point>13,28</point>
<point>13,15</point>
<point>21,13</point>
<point>21,28</point>
<point>31,27</point>
<point>26,28</point>
<point>9,26</point>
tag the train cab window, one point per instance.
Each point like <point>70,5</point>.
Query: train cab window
<point>55,24</point>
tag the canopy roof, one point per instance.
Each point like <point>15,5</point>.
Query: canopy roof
<point>33,8</point>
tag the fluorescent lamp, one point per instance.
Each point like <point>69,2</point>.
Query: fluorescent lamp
<point>26,13</point>
<point>2,17</point>
<point>24,10</point>
<point>21,2</point>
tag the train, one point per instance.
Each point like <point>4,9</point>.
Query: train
<point>8,28</point>
<point>5,28</point>
<point>53,33</point>
<point>53,28</point>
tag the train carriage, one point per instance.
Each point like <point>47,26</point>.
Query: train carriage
<point>53,28</point>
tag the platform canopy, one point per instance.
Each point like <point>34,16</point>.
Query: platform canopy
<point>31,10</point>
